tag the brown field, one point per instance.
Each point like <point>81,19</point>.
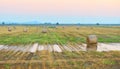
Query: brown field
<point>66,30</point>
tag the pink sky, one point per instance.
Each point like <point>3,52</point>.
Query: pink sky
<point>63,11</point>
<point>87,8</point>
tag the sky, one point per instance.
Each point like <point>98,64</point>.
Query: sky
<point>62,11</point>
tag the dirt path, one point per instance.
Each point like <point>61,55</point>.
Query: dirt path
<point>33,49</point>
<point>58,48</point>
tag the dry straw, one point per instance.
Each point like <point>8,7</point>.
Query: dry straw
<point>92,43</point>
<point>9,29</point>
<point>25,29</point>
<point>44,30</point>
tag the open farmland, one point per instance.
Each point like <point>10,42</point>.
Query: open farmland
<point>58,48</point>
<point>57,35</point>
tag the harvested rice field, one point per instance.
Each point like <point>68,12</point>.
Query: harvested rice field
<point>58,47</point>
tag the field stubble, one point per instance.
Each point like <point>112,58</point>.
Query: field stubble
<point>45,59</point>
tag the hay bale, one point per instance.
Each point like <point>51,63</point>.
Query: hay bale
<point>9,29</point>
<point>92,39</point>
<point>92,43</point>
<point>63,27</point>
<point>25,30</point>
<point>91,28</point>
<point>91,47</point>
<point>44,31</point>
<point>77,28</point>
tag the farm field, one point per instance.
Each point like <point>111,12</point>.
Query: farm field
<point>57,48</point>
<point>57,35</point>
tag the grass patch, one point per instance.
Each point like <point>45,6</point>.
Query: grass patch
<point>111,39</point>
<point>109,62</point>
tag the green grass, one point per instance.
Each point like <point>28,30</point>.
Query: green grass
<point>50,38</point>
<point>7,66</point>
<point>109,39</point>
<point>109,62</point>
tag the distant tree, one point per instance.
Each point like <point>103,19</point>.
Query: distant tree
<point>57,23</point>
<point>3,23</point>
<point>97,24</point>
<point>47,23</point>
